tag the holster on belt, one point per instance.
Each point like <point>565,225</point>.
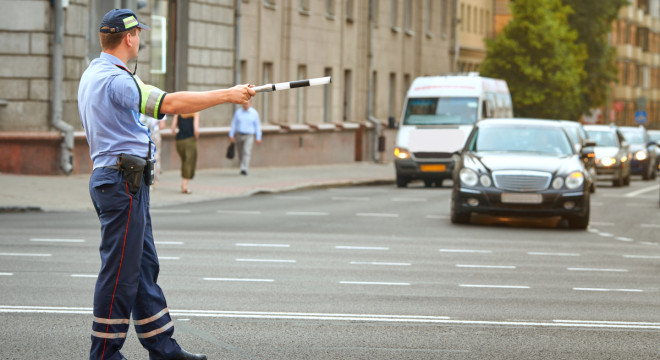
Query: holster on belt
<point>133,169</point>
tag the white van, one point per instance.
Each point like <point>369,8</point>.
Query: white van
<point>438,115</point>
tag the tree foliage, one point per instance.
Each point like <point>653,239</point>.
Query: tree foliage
<point>592,19</point>
<point>539,56</point>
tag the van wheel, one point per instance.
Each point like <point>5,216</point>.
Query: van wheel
<point>401,181</point>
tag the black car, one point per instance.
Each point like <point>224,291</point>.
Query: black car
<point>643,148</point>
<point>580,141</point>
<point>521,167</point>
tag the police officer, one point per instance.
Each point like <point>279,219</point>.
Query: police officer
<point>110,101</point>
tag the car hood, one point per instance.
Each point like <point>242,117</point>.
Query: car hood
<point>521,161</point>
<point>605,151</point>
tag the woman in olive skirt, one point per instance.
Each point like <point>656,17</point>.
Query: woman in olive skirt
<point>186,128</point>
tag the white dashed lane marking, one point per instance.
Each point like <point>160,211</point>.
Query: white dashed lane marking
<point>25,254</point>
<point>508,267</point>
<point>378,263</point>
<point>239,280</point>
<point>264,245</point>
<point>374,283</point>
<point>494,286</point>
<point>59,240</point>
<point>551,254</point>
<point>345,247</point>
<point>608,290</point>
<point>594,269</point>
<point>466,251</point>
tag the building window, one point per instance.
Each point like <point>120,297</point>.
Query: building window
<point>327,99</point>
<point>443,17</point>
<point>330,9</point>
<point>303,7</point>
<point>300,96</point>
<point>374,93</point>
<point>349,10</point>
<point>393,96</point>
<point>428,16</point>
<point>462,19</point>
<point>347,94</point>
<point>394,14</point>
<point>407,17</point>
<point>265,108</point>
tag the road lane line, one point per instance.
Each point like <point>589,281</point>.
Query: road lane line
<point>349,198</point>
<point>307,213</point>
<point>263,245</point>
<point>623,238</point>
<point>239,212</point>
<point>650,257</point>
<point>169,242</point>
<point>24,254</point>
<point>601,223</point>
<point>466,251</point>
<point>648,243</point>
<point>170,211</point>
<point>437,320</point>
<point>486,266</point>
<point>377,215</point>
<point>379,263</point>
<point>651,226</point>
<point>410,199</point>
<point>608,290</point>
<point>551,254</point>
<point>494,286</point>
<point>239,280</point>
<point>374,283</point>
<point>596,269</point>
<point>343,247</point>
<point>84,276</point>
<point>437,217</point>
<point>6,274</point>
<point>603,234</point>
<point>643,190</point>
<point>266,260</point>
<point>59,240</point>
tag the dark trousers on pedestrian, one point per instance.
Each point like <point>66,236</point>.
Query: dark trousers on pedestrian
<point>126,284</point>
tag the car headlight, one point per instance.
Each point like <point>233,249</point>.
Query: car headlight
<point>468,177</point>
<point>574,180</point>
<point>640,155</point>
<point>401,153</point>
<point>485,180</point>
<point>558,182</point>
<point>608,161</point>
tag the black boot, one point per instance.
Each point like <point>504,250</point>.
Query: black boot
<point>184,355</point>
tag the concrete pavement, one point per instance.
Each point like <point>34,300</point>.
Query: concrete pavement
<point>70,193</point>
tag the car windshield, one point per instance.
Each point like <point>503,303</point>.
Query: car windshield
<point>634,137</point>
<point>603,138</point>
<point>655,136</point>
<point>574,134</point>
<point>545,140</point>
<point>441,111</point>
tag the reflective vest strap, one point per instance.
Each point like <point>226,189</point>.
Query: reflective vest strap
<point>151,98</point>
<point>110,321</point>
<point>98,334</point>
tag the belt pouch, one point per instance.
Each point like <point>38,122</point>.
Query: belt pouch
<point>133,169</point>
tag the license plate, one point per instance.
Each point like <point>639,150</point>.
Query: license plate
<point>508,198</point>
<point>433,168</point>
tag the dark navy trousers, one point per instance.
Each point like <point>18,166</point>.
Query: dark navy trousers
<point>126,284</point>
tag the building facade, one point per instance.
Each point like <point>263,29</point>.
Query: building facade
<point>373,49</point>
<point>475,24</point>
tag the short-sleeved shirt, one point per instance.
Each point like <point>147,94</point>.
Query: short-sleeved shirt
<point>110,101</point>
<point>246,122</point>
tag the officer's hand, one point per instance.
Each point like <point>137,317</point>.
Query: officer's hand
<point>241,94</point>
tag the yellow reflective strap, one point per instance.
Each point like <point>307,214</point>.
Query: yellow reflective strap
<point>110,321</point>
<point>151,318</point>
<point>129,22</point>
<point>155,332</point>
<point>98,334</point>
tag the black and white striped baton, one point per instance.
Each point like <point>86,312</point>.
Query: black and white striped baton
<point>293,84</point>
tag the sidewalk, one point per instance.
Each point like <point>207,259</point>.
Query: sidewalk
<point>70,193</point>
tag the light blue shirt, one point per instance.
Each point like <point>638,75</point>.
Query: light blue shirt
<point>109,105</point>
<point>246,122</point>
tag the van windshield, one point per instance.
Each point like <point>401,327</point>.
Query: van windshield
<point>441,111</point>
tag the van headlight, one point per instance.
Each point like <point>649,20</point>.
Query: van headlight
<point>640,155</point>
<point>608,161</point>
<point>574,180</point>
<point>468,177</point>
<point>401,153</point>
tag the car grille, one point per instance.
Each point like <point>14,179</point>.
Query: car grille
<point>521,180</point>
<point>432,155</point>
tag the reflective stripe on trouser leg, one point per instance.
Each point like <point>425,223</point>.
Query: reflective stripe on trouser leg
<point>244,144</point>
<point>122,218</point>
<point>153,324</point>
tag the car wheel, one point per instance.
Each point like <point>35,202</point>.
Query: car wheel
<point>626,180</point>
<point>457,216</point>
<point>401,181</point>
<point>579,222</point>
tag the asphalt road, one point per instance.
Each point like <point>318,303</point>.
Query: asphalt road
<point>355,273</point>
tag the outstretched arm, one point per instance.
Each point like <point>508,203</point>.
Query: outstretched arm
<point>186,102</point>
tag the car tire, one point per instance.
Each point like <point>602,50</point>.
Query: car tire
<point>401,181</point>
<point>457,216</point>
<point>580,222</point>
